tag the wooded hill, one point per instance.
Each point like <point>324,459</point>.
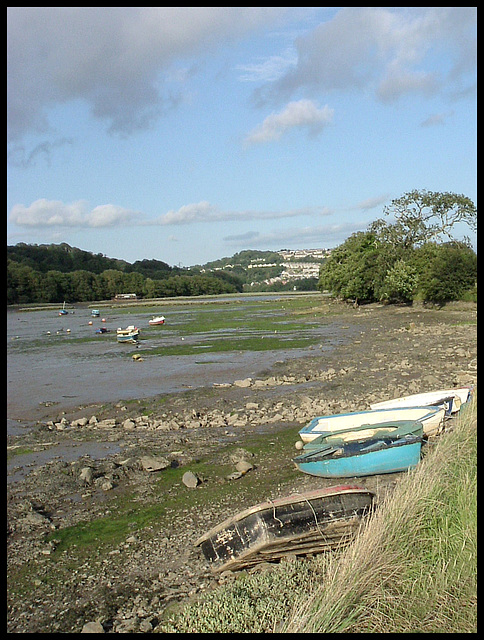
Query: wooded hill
<point>58,272</point>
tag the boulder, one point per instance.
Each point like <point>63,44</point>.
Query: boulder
<point>190,480</point>
<point>92,627</point>
<point>153,463</point>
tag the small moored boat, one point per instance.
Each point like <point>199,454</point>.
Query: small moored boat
<point>95,313</point>
<point>309,522</point>
<point>431,418</point>
<point>130,334</point>
<point>63,311</point>
<point>157,320</point>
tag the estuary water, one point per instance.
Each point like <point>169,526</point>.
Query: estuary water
<point>60,362</point>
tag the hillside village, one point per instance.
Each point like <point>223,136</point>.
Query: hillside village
<point>283,266</point>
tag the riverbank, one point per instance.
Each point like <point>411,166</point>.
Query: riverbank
<point>110,539</point>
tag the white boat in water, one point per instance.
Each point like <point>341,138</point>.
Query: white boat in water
<point>431,418</point>
<point>454,398</point>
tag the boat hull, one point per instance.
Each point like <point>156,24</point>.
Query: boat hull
<point>430,417</point>
<point>127,338</point>
<point>130,334</point>
<point>310,522</point>
<point>156,321</point>
<point>391,459</point>
<point>453,397</point>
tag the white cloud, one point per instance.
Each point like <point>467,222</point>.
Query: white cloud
<point>389,52</point>
<point>309,236</point>
<point>114,58</point>
<point>371,203</point>
<point>206,212</point>
<point>303,113</point>
<point>54,213</point>
<point>189,213</point>
<point>268,69</point>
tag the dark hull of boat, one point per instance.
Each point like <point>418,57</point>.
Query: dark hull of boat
<point>304,523</point>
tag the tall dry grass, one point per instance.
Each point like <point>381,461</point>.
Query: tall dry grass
<point>413,568</point>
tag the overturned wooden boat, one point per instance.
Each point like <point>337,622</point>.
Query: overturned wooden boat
<point>451,399</point>
<point>431,418</point>
<point>303,523</point>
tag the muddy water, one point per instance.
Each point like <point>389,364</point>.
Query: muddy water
<point>48,367</point>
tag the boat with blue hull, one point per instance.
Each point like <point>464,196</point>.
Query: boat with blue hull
<point>353,458</point>
<point>431,417</point>
<point>394,429</point>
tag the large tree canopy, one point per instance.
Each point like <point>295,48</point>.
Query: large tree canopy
<point>423,216</point>
<point>407,259</point>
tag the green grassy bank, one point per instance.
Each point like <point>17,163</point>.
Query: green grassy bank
<point>412,569</point>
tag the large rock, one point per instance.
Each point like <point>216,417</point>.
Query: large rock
<point>190,480</point>
<point>92,627</point>
<point>246,382</point>
<point>153,463</point>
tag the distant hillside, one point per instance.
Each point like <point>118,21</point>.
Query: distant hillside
<point>61,257</point>
<point>53,273</point>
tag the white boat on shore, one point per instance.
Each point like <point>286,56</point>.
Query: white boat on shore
<point>454,398</point>
<point>130,334</point>
<point>157,320</point>
<point>431,418</point>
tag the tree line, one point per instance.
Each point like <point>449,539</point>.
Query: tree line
<point>26,285</point>
<point>54,273</point>
<point>415,257</point>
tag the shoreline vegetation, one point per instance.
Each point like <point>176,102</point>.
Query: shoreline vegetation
<point>413,568</point>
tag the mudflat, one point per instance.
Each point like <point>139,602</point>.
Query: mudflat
<point>101,515</point>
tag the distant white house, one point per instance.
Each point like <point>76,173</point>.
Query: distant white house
<point>126,296</point>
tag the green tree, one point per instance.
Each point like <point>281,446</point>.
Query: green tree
<point>55,286</point>
<point>445,271</point>
<point>424,216</point>
<point>85,286</point>
<point>352,268</point>
<point>400,283</point>
<point>23,284</point>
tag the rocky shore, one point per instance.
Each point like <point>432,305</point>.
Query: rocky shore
<point>126,585</point>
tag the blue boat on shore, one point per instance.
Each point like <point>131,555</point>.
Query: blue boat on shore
<point>344,455</point>
<point>394,429</point>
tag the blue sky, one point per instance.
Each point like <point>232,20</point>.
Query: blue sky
<point>187,134</point>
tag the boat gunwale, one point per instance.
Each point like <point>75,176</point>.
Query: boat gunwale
<point>432,411</point>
